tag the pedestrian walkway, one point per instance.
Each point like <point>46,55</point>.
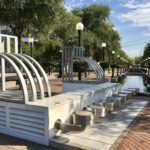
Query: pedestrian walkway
<point>101,136</point>
<point>137,135</point>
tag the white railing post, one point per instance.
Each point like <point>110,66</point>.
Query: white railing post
<point>16,45</point>
<point>8,44</point>
<point>3,80</point>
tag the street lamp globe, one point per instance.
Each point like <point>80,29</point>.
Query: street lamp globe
<point>118,56</point>
<point>113,52</point>
<point>79,26</point>
<point>149,58</point>
<point>103,44</point>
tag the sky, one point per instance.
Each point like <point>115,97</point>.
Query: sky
<point>131,18</point>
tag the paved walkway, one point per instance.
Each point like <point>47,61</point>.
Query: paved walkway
<point>101,136</point>
<point>137,135</point>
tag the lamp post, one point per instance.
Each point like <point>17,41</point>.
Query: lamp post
<point>103,47</point>
<point>60,64</point>
<point>31,40</point>
<point>113,62</point>
<point>121,62</point>
<point>79,28</point>
<point>118,56</point>
<point>148,65</point>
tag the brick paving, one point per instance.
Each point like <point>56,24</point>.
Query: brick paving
<point>137,135</point>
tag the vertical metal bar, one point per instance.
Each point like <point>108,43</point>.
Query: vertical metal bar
<point>71,63</point>
<point>3,80</point>
<point>68,64</point>
<point>16,45</point>
<point>8,44</point>
<point>70,50</point>
<point>65,63</point>
<point>62,59</point>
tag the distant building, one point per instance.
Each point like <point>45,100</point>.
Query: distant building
<point>4,29</point>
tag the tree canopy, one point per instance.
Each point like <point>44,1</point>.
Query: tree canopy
<point>98,29</point>
<point>53,26</point>
<point>146,53</point>
<point>28,15</point>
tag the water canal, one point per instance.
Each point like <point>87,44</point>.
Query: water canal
<point>134,82</point>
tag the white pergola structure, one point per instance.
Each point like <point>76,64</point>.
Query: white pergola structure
<point>28,64</point>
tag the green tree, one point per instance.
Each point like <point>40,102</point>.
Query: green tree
<point>146,51</point>
<point>28,15</point>
<point>98,29</point>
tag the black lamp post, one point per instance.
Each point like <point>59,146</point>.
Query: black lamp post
<point>79,28</point>
<point>31,41</point>
<point>103,47</point>
<point>118,56</point>
<point>148,65</point>
<point>60,65</point>
<point>121,62</point>
<point>113,63</point>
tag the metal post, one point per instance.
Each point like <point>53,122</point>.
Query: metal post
<point>113,65</point>
<point>117,70</point>
<point>79,38</point>
<point>3,80</point>
<point>31,49</point>
<point>103,55</point>
<point>79,43</point>
<point>60,65</point>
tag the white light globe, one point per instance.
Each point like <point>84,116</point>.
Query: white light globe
<point>113,52</point>
<point>79,26</point>
<point>103,44</point>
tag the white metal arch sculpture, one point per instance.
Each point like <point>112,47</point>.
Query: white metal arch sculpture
<point>100,69</point>
<point>95,66</point>
<point>69,54</point>
<point>42,72</point>
<point>42,95</point>
<point>21,78</point>
<point>34,92</point>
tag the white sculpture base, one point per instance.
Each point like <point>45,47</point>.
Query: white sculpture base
<point>35,121</point>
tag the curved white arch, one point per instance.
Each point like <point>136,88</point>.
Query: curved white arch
<point>42,72</point>
<point>34,92</point>
<point>22,80</point>
<point>42,95</point>
<point>91,64</point>
<point>100,69</point>
<point>96,67</point>
<point>95,64</point>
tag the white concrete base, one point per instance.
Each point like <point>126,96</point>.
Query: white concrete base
<point>24,121</point>
<point>35,121</point>
<point>67,87</point>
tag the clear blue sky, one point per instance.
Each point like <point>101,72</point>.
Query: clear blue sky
<point>131,18</point>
